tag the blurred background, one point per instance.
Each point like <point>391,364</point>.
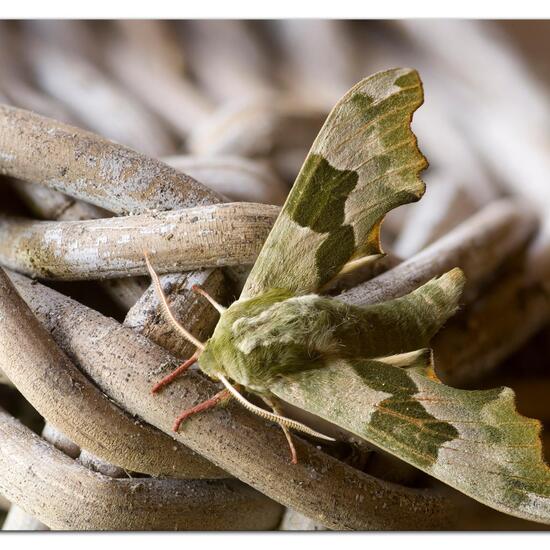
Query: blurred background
<point>260,90</point>
<point>237,104</point>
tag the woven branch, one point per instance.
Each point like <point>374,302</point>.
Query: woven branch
<point>493,328</point>
<point>84,165</point>
<point>104,503</point>
<point>180,240</point>
<point>478,246</point>
<point>66,398</point>
<point>235,177</point>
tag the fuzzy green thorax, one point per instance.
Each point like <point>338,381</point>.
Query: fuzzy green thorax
<point>222,354</point>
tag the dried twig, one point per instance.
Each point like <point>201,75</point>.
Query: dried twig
<point>478,246</point>
<point>103,173</point>
<point>52,205</point>
<point>143,52</point>
<point>494,327</point>
<point>60,441</point>
<point>212,61</point>
<point>512,142</point>
<point>102,105</point>
<point>294,521</point>
<point>66,398</point>
<point>445,205</point>
<point>103,503</point>
<point>86,166</point>
<point>319,57</point>
<point>235,177</point>
<point>15,82</point>
<point>97,464</point>
<point>244,127</point>
<point>180,240</point>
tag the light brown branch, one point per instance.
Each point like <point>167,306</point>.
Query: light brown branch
<point>238,178</point>
<point>60,441</point>
<point>445,205</point>
<point>67,399</point>
<point>478,246</point>
<point>98,101</point>
<point>48,204</point>
<point>179,240</point>
<point>319,59</point>
<point>492,328</point>
<point>91,168</point>
<point>142,52</point>
<point>206,48</point>
<point>33,471</point>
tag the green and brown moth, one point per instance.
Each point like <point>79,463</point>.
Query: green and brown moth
<point>366,369</point>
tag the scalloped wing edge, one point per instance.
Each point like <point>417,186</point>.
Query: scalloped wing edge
<point>472,440</point>
<point>364,163</point>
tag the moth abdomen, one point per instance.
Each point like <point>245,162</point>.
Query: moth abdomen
<point>271,335</point>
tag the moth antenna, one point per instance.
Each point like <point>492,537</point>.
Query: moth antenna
<point>202,292</point>
<point>266,415</point>
<point>166,308</point>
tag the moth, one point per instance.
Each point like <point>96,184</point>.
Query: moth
<point>366,369</point>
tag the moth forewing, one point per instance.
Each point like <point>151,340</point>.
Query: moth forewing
<point>364,162</point>
<point>475,441</point>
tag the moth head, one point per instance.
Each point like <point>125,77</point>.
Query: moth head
<point>209,363</point>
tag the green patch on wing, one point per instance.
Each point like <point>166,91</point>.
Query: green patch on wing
<point>319,204</point>
<point>475,441</point>
<point>401,413</point>
<point>364,162</point>
<point>323,211</point>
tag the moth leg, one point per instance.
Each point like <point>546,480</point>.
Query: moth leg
<point>175,373</point>
<point>202,292</point>
<point>208,404</point>
<point>286,431</point>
